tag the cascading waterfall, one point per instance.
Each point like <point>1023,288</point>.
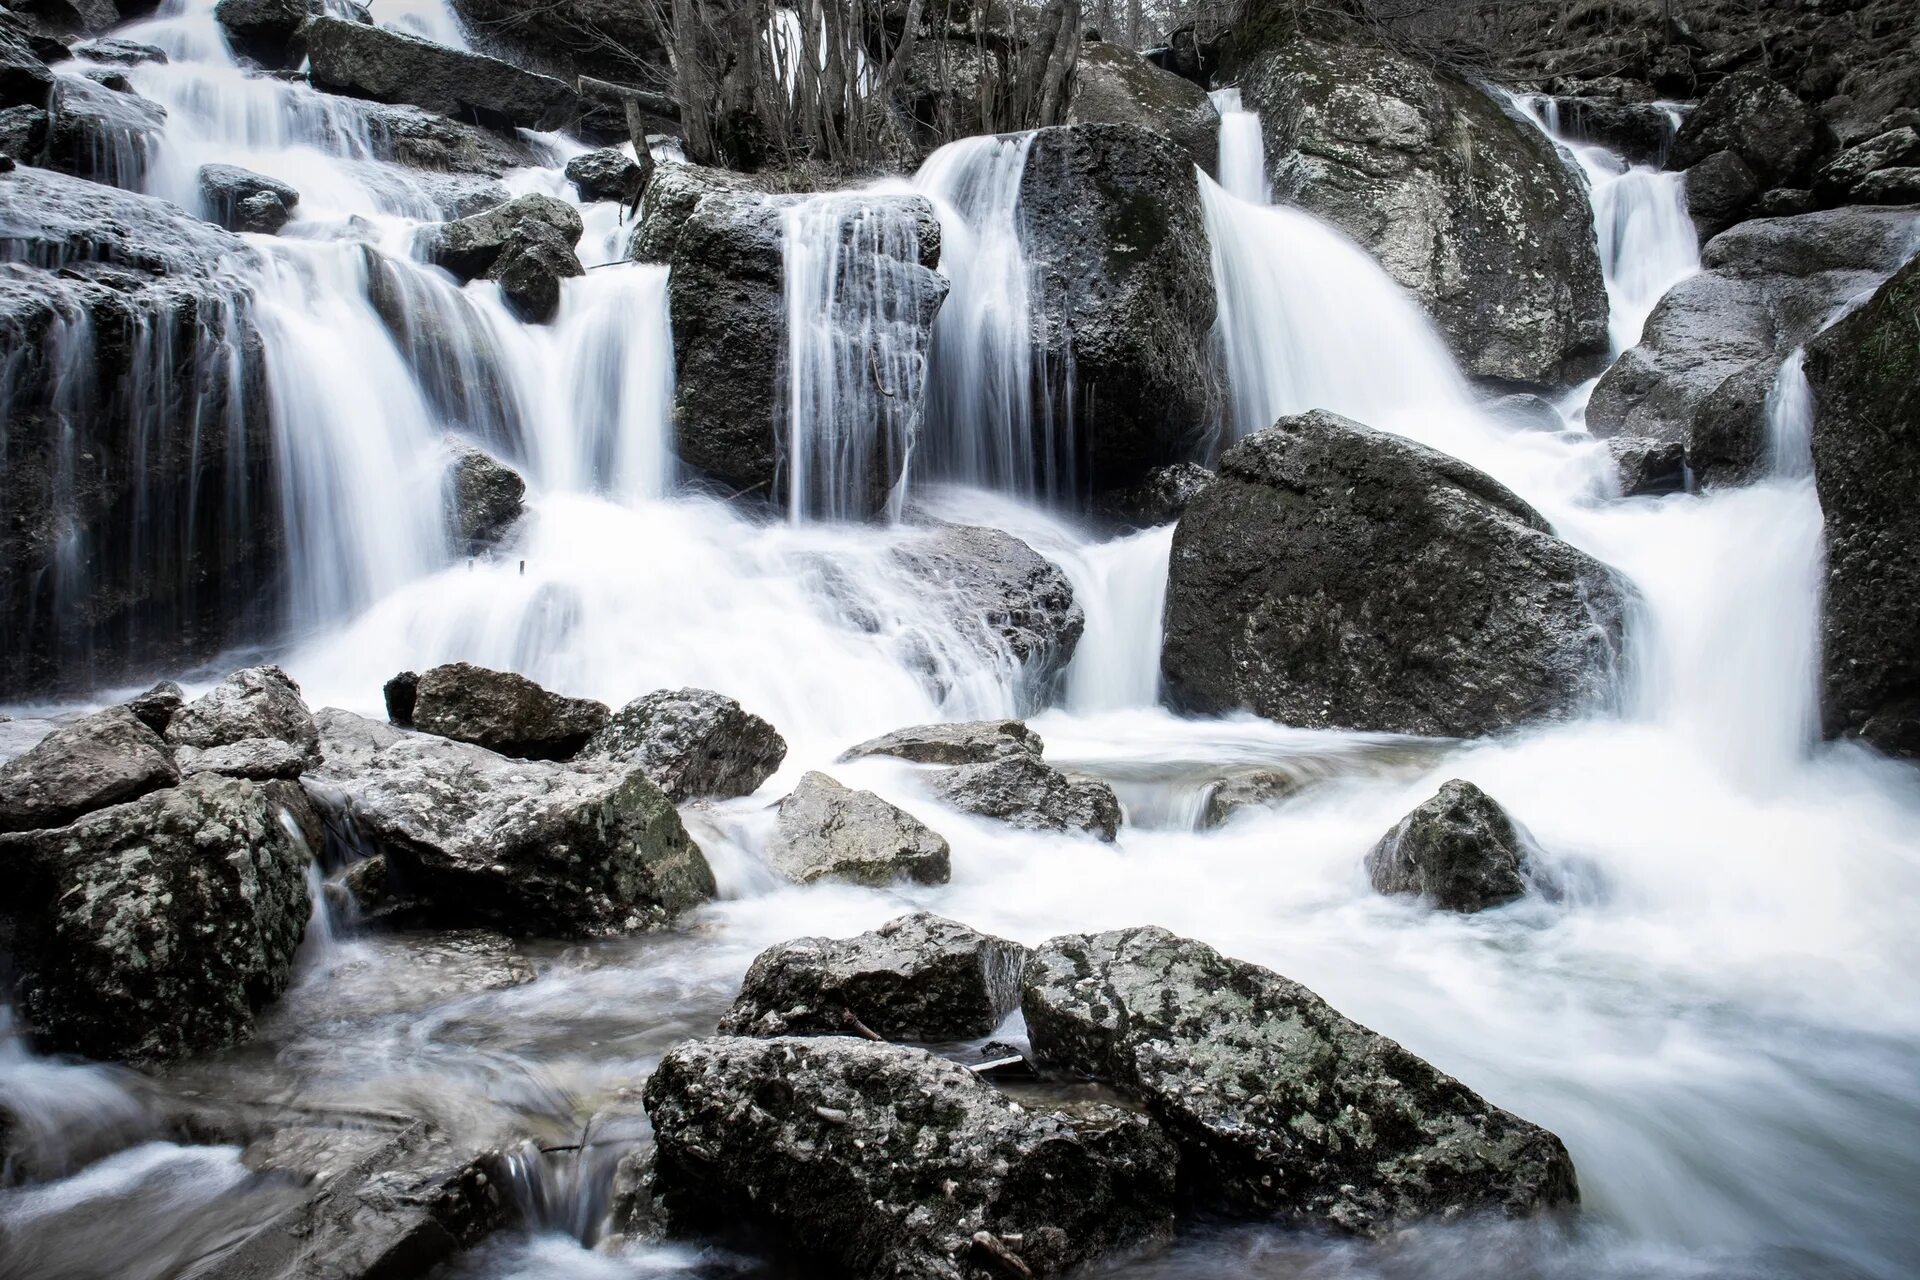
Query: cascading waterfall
<point>1243,151</point>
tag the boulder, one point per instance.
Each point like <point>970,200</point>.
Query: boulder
<point>241,200</point>
<point>1335,576</point>
<point>1114,85</point>
<point>587,849</point>
<point>1459,850</point>
<point>156,707</point>
<point>1123,302</point>
<point>432,145</point>
<point>670,199</point>
<point>1841,176</point>
<point>1889,186</point>
<point>259,759</point>
<point>874,1160</point>
<point>1783,202</point>
<point>1865,376</point>
<point>609,174</point>
<point>119,51</point>
<point>391,66</point>
<point>1714,342</point>
<point>1024,791</point>
<point>1159,498</point>
<point>1464,203</point>
<point>470,247</point>
<point>535,259</point>
<point>692,743</point>
<point>1260,789</point>
<point>1758,119</point>
<point>1648,468</point>
<point>967,742</point>
<point>24,78</point>
<point>919,977</point>
<point>1524,411</point>
<point>153,929</point>
<point>105,758</point>
<point>264,29</point>
<point>252,704</point>
<point>830,832</point>
<point>1720,190</point>
<point>503,711</point>
<point>611,39</point>
<point>23,133</point>
<point>999,593</point>
<point>103,134</point>
<point>484,498</point>
<point>1281,1107</point>
<point>399,695</point>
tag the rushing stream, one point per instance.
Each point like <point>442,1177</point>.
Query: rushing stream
<point>1716,1016</point>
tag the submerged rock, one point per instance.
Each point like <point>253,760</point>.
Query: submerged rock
<point>1335,576</point>
<point>830,832</point>
<point>503,711</point>
<point>692,743</point>
<point>566,850</point>
<point>876,1160</point>
<point>390,66</point>
<point>1114,85</point>
<point>919,977</point>
<point>966,742</point>
<point>106,758</point>
<point>1000,593</point>
<point>1865,376</point>
<point>101,133</point>
<point>1460,850</point>
<point>154,929</point>
<point>485,497</point>
<point>1281,1107</point>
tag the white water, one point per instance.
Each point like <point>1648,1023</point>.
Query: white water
<point>1717,1016</point>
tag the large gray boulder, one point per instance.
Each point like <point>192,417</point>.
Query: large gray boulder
<point>1281,1107</point>
<point>254,714</point>
<point>485,497</point>
<point>390,66</point>
<point>242,200</point>
<point>827,831</point>
<point>503,711</point>
<point>1123,301</point>
<point>1465,204</point>
<point>153,929</point>
<point>1700,376</point>
<point>1865,377</point>
<point>1114,85</point>
<point>471,247</point>
<point>609,174</point>
<point>568,850</point>
<point>1459,850</point>
<point>964,742</point>
<point>1335,576</point>
<point>670,199</point>
<point>1758,119</point>
<point>692,743</point>
<point>1025,792</point>
<point>106,758</point>
<point>876,1161</point>
<point>919,977</point>
<point>1000,594</point>
<point>1842,177</point>
<point>535,259</point>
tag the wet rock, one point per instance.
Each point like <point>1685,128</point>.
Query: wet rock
<point>1281,1107</point>
<point>1768,286</point>
<point>253,703</point>
<point>156,707</point>
<point>1159,498</point>
<point>608,174</point>
<point>241,200</point>
<point>434,145</point>
<point>470,247</point>
<point>919,977</point>
<point>1758,119</point>
<point>585,849</point>
<point>1865,376</point>
<point>611,39</point>
<point>484,498</point>
<point>1114,85</point>
<point>1841,176</point>
<point>105,758</point>
<point>1720,189</point>
<point>23,132</point>
<point>1024,791</point>
<point>102,134</point>
<point>1466,205</point>
<point>1648,468</point>
<point>264,29</point>
<point>692,743</point>
<point>24,78</point>
<point>120,51</point>
<point>1335,576</point>
<point>504,712</point>
<point>1783,202</point>
<point>1262,789</point>
<point>399,694</point>
<point>1459,850</point>
<point>1889,186</point>
<point>966,742</point>
<point>389,66</point>
<point>1000,593</point>
<point>1124,299</point>
<point>671,197</point>
<point>830,832</point>
<point>1640,132</point>
<point>876,1160</point>
<point>260,759</point>
<point>531,265</point>
<point>155,928</point>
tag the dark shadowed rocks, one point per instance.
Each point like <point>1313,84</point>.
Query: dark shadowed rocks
<point>1281,1107</point>
<point>827,831</point>
<point>156,707</point>
<point>1758,119</point>
<point>1844,177</point>
<point>536,257</point>
<point>471,247</point>
<point>1720,190</point>
<point>1338,576</point>
<point>1865,377</point>
<point>106,758</point>
<point>241,200</point>
<point>390,66</point>
<point>1114,85</point>
<point>264,29</point>
<point>1459,850</point>
<point>920,977</point>
<point>485,497</point>
<point>1641,132</point>
<point>154,929</point>
<point>1160,496</point>
<point>608,174</point>
<point>585,849</point>
<point>692,743</point>
<point>877,1160</point>
<point>503,711</point>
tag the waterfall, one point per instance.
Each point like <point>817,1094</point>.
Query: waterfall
<point>1243,150</point>
<point>1789,413</point>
